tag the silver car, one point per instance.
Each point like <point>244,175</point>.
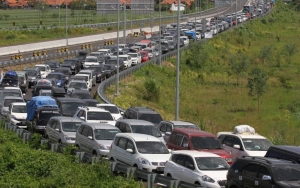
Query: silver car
<point>95,138</point>
<point>7,101</point>
<point>61,129</point>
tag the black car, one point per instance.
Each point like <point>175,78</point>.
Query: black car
<point>172,45</point>
<point>110,69</point>
<point>73,64</point>
<point>81,94</point>
<point>33,76</point>
<point>81,57</point>
<point>91,102</point>
<point>115,62</point>
<point>7,82</point>
<point>68,106</point>
<point>263,172</point>
<point>100,73</point>
<point>165,48</point>
<point>53,64</point>
<point>42,84</point>
<point>41,118</point>
<point>67,72</point>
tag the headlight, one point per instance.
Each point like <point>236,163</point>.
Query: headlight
<point>13,117</point>
<point>59,83</point>
<point>208,179</point>
<point>73,67</point>
<point>99,75</point>
<point>228,160</point>
<point>103,147</point>
<point>68,138</point>
<point>144,161</point>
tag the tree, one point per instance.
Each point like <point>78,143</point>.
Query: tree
<point>257,83</point>
<point>266,53</point>
<point>239,66</point>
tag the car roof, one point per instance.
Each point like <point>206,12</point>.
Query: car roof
<point>91,100</point>
<point>268,160</point>
<point>46,90</point>
<point>19,103</point>
<point>136,122</point>
<point>194,153</point>
<point>94,109</point>
<point>295,149</point>
<point>100,125</point>
<point>12,97</point>
<point>143,110</point>
<point>40,65</point>
<point>139,137</point>
<point>105,104</point>
<point>67,99</point>
<point>80,81</point>
<point>62,68</point>
<point>66,119</point>
<point>11,88</point>
<point>242,135</point>
<point>57,73</point>
<point>90,56</point>
<point>193,132</point>
<point>86,70</point>
<point>180,122</point>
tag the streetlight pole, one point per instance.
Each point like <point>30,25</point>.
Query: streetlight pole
<point>236,21</point>
<point>118,43</point>
<point>66,24</point>
<point>160,32</point>
<point>124,23</point>
<point>59,14</point>
<point>178,62</point>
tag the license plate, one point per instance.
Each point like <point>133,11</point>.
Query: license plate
<point>160,168</point>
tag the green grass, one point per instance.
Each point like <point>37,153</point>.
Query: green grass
<point>209,95</point>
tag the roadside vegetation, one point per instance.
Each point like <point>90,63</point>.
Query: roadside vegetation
<point>248,75</point>
<point>33,165</point>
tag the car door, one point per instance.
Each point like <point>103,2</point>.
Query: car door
<point>82,139</point>
<point>263,172</point>
<point>121,154</point>
<point>89,140</point>
<point>249,176</point>
<point>179,167</point>
<point>50,128</point>
<point>187,171</point>
<point>58,130</point>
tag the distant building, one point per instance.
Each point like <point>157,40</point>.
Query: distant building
<point>174,7</point>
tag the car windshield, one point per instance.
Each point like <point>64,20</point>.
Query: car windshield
<point>42,68</point>
<point>211,163</point>
<point>91,60</point>
<point>13,94</point>
<point>45,115</point>
<point>152,148</point>
<point>44,83</point>
<point>65,71</point>
<point>10,82</point>
<point>80,78</point>
<point>52,65</point>
<point>69,62</point>
<point>153,118</point>
<point>69,108</point>
<point>82,95</point>
<point>149,130</point>
<point>54,76</point>
<point>133,55</point>
<point>186,126</point>
<point>113,62</point>
<point>256,144</point>
<point>99,116</point>
<point>96,69</point>
<point>19,109</point>
<point>8,101</point>
<point>205,143</point>
<point>45,93</point>
<point>286,172</point>
<point>123,58</point>
<point>70,126</point>
<point>105,134</point>
<point>31,72</point>
<point>21,80</point>
<point>91,103</point>
<point>111,109</point>
<point>78,85</point>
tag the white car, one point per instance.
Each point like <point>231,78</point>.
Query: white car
<point>89,61</point>
<point>136,58</point>
<point>244,143</point>
<point>113,109</point>
<point>202,168</point>
<point>106,52</point>
<point>186,40</point>
<point>139,150</point>
<point>127,60</point>
<point>94,115</point>
<point>91,73</point>
<point>44,69</point>
<point>95,138</point>
<point>151,52</point>
<point>6,103</point>
<point>17,113</point>
<point>88,80</point>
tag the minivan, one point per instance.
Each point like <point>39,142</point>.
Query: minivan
<point>284,152</point>
<point>193,139</point>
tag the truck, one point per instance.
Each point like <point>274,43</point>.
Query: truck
<point>191,34</point>
<point>39,110</point>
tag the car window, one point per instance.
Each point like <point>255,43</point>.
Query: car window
<point>163,128</point>
<point>57,125</point>
<point>178,140</point>
<point>169,128</point>
<point>237,141</point>
<point>128,130</point>
<point>228,141</point>
<point>117,139</point>
<point>122,127</point>
<point>122,143</point>
<point>174,157</point>
<point>189,163</point>
<point>263,171</point>
<point>130,145</point>
<point>184,142</point>
<point>90,132</point>
<point>250,170</point>
<point>51,123</point>
<point>205,143</point>
<point>180,160</point>
<point>172,138</point>
<point>85,131</point>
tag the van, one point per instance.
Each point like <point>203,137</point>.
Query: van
<point>148,42</point>
<point>284,152</point>
<point>193,139</point>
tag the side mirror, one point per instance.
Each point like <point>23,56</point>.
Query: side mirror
<point>57,130</point>
<point>82,118</point>
<point>122,113</point>
<point>186,145</point>
<point>266,178</point>
<point>167,134</point>
<point>129,150</point>
<point>236,146</point>
<point>90,137</point>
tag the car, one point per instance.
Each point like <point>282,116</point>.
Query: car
<point>284,152</point>
<point>17,113</point>
<point>166,127</point>
<point>44,69</point>
<point>136,58</point>
<point>172,45</point>
<point>86,78</point>
<point>94,115</point>
<point>151,52</point>
<point>144,56</point>
<point>73,64</point>
<point>139,126</point>
<point>12,91</point>
<point>65,70</point>
<point>23,80</point>
<point>53,64</point>
<point>113,109</point>
<point>106,52</point>
<point>109,70</point>
<point>139,150</point>
<point>92,75</point>
<point>62,130</point>
<point>7,100</point>
<point>42,84</point>
<point>200,168</point>
<point>68,106</point>
<point>263,172</point>
<point>186,40</point>
<point>101,75</point>
<point>80,94</point>
<point>8,82</point>
<point>91,102</point>
<point>81,57</point>
<point>125,58</point>
<point>100,55</point>
<point>165,48</point>
<point>33,75</point>
<point>76,85</point>
<point>115,63</point>
<point>91,60</point>
<point>143,113</point>
<point>192,139</point>
<point>243,141</point>
<point>45,92</point>
<point>59,77</point>
<point>95,138</point>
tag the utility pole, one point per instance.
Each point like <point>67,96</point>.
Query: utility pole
<point>67,24</point>
<point>124,23</point>
<point>160,31</point>
<point>178,62</point>
<point>118,43</point>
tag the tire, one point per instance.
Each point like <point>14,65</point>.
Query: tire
<point>95,154</point>
<point>197,183</point>
<point>169,175</point>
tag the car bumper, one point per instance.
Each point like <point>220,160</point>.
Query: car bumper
<point>151,168</point>
<point>20,124</point>
<point>102,152</point>
<point>211,185</point>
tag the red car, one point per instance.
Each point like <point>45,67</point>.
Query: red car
<point>144,56</point>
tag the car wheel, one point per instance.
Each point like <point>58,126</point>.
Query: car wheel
<point>197,183</point>
<point>95,154</point>
<point>169,175</point>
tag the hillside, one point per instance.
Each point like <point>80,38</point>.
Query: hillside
<point>216,78</point>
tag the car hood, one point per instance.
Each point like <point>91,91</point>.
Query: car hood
<point>20,115</point>
<point>31,77</point>
<point>257,153</point>
<point>70,134</point>
<point>216,174</point>
<point>106,143</point>
<point>156,157</point>
<point>292,184</point>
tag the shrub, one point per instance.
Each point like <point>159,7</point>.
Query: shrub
<point>152,90</point>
